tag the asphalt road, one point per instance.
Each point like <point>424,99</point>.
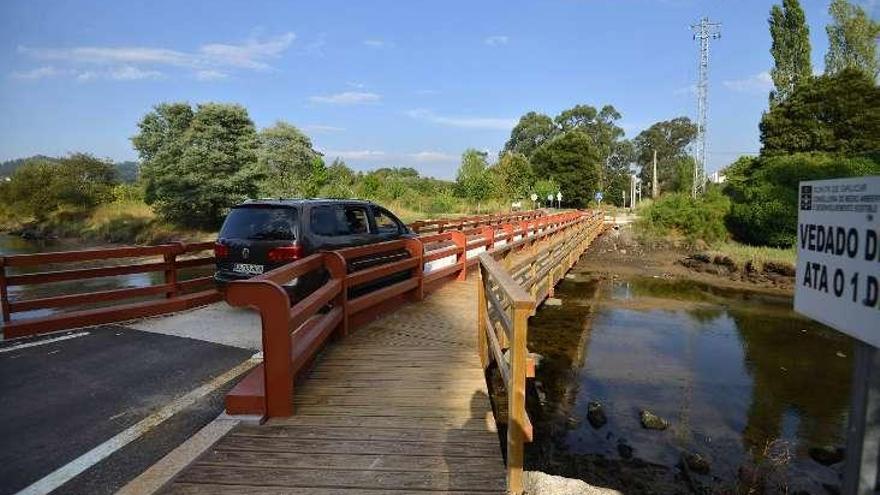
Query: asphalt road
<point>63,398</point>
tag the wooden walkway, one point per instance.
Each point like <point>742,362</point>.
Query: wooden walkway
<point>400,405</point>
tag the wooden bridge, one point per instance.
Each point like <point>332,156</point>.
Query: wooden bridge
<point>386,390</point>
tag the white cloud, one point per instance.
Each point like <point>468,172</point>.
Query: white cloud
<point>347,98</point>
<point>758,83</point>
<point>320,128</point>
<point>210,75</point>
<point>489,123</point>
<point>426,92</point>
<point>365,155</point>
<point>131,73</point>
<point>377,43</point>
<point>432,156</point>
<point>208,62</point>
<point>39,73</point>
<point>496,40</point>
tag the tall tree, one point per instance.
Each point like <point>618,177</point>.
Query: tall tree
<point>852,40</point>
<point>513,176</point>
<point>790,48</point>
<point>532,130</point>
<point>287,159</point>
<point>837,113</point>
<point>572,160</point>
<point>670,140</point>
<point>197,163</point>
<point>473,181</point>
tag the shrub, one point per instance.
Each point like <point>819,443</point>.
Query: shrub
<point>764,192</point>
<point>696,219</point>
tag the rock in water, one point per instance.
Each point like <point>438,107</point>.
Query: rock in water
<point>827,455</point>
<point>697,463</point>
<point>552,301</point>
<point>596,415</point>
<point>625,450</point>
<point>651,421</point>
<point>538,483</point>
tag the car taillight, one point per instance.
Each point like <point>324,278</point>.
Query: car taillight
<point>220,250</point>
<point>285,253</point>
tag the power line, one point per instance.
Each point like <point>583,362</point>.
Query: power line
<point>704,31</point>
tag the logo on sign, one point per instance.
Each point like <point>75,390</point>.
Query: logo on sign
<point>806,197</point>
<point>245,253</point>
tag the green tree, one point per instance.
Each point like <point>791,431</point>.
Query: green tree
<point>40,186</point>
<point>513,175</point>
<point>532,130</point>
<point>837,113</point>
<point>618,173</point>
<point>572,160</point>
<point>546,187</point>
<point>670,140</point>
<point>472,180</point>
<point>599,125</point>
<point>196,163</point>
<point>764,191</point>
<point>852,40</point>
<point>790,48</point>
<point>341,180</point>
<point>287,159</point>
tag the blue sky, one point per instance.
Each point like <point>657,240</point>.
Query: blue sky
<point>379,82</point>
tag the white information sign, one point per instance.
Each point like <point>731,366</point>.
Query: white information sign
<point>838,255</point>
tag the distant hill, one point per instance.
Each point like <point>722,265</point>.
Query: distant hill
<point>127,171</point>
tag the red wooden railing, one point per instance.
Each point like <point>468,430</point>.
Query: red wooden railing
<point>293,335</point>
<point>441,225</point>
<point>171,295</point>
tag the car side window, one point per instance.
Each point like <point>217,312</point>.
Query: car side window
<point>355,220</point>
<point>324,221</point>
<point>385,222</point>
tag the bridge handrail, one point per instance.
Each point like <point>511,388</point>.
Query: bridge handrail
<point>174,294</point>
<point>507,295</point>
<point>460,223</point>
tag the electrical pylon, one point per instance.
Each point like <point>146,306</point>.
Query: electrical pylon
<point>703,31</point>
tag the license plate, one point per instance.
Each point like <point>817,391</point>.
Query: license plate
<point>247,268</point>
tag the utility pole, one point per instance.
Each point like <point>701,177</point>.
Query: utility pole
<point>655,183</point>
<point>704,31</point>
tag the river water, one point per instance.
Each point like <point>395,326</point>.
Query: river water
<point>742,381</point>
<point>15,245</point>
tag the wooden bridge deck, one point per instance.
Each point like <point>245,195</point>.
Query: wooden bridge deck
<point>400,405</point>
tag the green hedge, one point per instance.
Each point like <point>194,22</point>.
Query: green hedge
<point>764,192</point>
<point>701,218</point>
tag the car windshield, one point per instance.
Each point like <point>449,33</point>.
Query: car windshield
<point>260,223</point>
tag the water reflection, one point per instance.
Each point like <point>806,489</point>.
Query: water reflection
<point>731,371</point>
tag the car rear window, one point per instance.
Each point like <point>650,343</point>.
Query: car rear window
<point>260,223</point>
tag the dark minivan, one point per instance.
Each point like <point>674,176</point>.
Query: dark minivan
<point>260,235</point>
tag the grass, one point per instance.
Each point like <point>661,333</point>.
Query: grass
<point>758,255</point>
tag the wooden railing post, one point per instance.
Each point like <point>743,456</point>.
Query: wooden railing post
<point>460,241</point>
<point>274,307</point>
<point>170,258</point>
<point>488,233</point>
<point>4,292</point>
<point>516,425</point>
<point>482,341</point>
<point>416,250</point>
<point>338,270</point>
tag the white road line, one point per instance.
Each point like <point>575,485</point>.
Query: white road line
<point>72,469</point>
<point>43,342</point>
